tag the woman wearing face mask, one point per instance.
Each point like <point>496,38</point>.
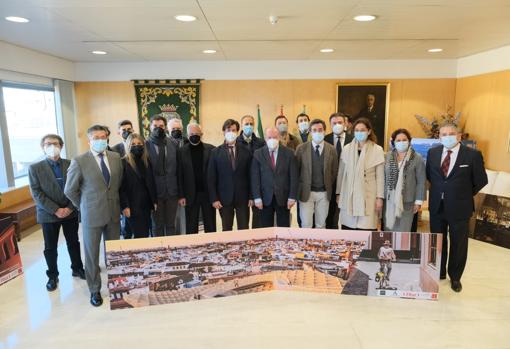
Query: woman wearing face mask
<point>360,181</point>
<point>404,188</point>
<point>138,190</point>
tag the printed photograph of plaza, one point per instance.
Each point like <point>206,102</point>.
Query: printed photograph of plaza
<point>164,270</point>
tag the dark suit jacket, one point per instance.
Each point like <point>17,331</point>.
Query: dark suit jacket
<point>330,138</point>
<point>119,148</point>
<point>132,189</point>
<point>466,179</point>
<point>167,186</point>
<point>282,182</point>
<point>256,142</point>
<point>187,188</point>
<point>225,184</point>
<point>377,118</point>
<point>47,193</point>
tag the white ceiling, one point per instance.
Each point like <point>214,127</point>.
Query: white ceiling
<point>145,30</point>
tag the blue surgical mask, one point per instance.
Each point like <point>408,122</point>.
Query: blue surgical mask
<point>402,146</point>
<point>449,141</point>
<point>248,130</point>
<point>283,128</point>
<point>98,145</point>
<point>230,136</point>
<point>361,136</point>
<point>303,126</point>
<point>318,137</point>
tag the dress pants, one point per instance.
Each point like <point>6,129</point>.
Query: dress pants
<point>282,215</point>
<point>51,233</point>
<point>140,223</point>
<point>256,218</point>
<point>333,213</point>
<point>92,243</point>
<point>316,207</point>
<point>125,229</point>
<point>163,219</point>
<point>457,230</point>
<point>242,213</point>
<point>193,214</point>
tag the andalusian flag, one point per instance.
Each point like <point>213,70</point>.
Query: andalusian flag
<point>260,129</point>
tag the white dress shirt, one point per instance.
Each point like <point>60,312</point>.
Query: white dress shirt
<point>453,156</point>
<point>98,159</point>
<point>321,146</point>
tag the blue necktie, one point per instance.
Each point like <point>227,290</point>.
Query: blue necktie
<point>104,169</point>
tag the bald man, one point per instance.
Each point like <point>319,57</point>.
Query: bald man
<point>274,180</point>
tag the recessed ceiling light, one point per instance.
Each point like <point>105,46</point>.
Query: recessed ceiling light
<point>327,50</point>
<point>185,18</point>
<point>209,51</point>
<point>364,18</point>
<point>434,50</point>
<point>17,19</point>
<point>99,52</point>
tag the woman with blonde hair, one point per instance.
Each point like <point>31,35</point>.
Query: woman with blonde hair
<point>360,181</point>
<point>138,190</point>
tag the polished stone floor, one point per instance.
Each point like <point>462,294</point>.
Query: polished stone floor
<point>479,317</point>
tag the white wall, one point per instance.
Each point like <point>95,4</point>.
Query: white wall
<point>484,62</point>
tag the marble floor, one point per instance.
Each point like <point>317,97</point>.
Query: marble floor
<point>479,317</point>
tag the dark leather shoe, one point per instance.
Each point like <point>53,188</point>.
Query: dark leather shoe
<point>79,273</point>
<point>442,277</point>
<point>96,299</point>
<point>52,283</point>
<point>456,286</point>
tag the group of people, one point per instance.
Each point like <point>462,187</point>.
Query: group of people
<point>342,178</point>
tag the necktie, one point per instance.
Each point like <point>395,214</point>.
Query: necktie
<point>317,152</point>
<point>338,145</point>
<point>232,156</point>
<point>104,169</point>
<point>273,161</point>
<point>446,164</point>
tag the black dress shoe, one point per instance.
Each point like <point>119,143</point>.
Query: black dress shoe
<point>79,273</point>
<point>96,299</point>
<point>456,286</point>
<point>442,277</point>
<point>52,283</point>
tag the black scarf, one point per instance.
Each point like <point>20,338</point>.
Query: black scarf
<point>392,179</point>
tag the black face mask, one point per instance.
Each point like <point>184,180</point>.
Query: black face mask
<point>158,132</point>
<point>126,133</point>
<point>137,150</point>
<point>194,139</point>
<point>177,134</point>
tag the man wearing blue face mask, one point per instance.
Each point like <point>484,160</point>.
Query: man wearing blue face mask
<point>252,143</point>
<point>456,173</point>
<point>93,183</point>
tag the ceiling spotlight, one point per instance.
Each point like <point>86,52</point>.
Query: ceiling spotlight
<point>17,19</point>
<point>99,52</point>
<point>327,50</point>
<point>364,18</point>
<point>185,18</point>
<point>209,51</point>
<point>434,50</point>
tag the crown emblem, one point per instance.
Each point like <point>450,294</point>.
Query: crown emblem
<point>168,108</point>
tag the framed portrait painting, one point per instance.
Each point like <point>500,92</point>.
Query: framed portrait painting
<point>368,100</point>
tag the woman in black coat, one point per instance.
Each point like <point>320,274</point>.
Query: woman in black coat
<point>138,190</point>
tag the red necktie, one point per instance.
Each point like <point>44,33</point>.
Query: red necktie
<point>273,161</point>
<point>446,164</point>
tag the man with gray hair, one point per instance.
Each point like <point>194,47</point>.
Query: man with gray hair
<point>175,129</point>
<point>93,183</point>
<point>193,191</point>
<point>456,173</point>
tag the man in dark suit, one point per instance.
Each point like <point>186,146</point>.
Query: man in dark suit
<point>376,117</point>
<point>339,138</point>
<point>124,129</point>
<point>229,179</point>
<point>252,142</point>
<point>274,180</point>
<point>456,173</point>
<point>163,154</point>
<point>54,210</point>
<point>193,192</point>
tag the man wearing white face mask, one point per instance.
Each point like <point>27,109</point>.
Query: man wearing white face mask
<point>54,210</point>
<point>229,179</point>
<point>274,180</point>
<point>93,183</point>
<point>456,173</point>
<point>317,166</point>
<point>339,138</point>
<point>303,123</point>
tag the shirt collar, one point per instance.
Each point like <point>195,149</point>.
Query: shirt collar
<point>315,145</point>
<point>53,162</point>
<point>96,154</point>
<point>454,150</point>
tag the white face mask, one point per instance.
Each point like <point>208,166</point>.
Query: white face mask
<point>230,136</point>
<point>52,151</point>
<point>303,126</point>
<point>272,143</point>
<point>338,128</point>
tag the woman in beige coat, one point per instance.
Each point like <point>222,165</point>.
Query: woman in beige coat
<point>360,181</point>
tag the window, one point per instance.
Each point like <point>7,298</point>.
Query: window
<point>30,114</point>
